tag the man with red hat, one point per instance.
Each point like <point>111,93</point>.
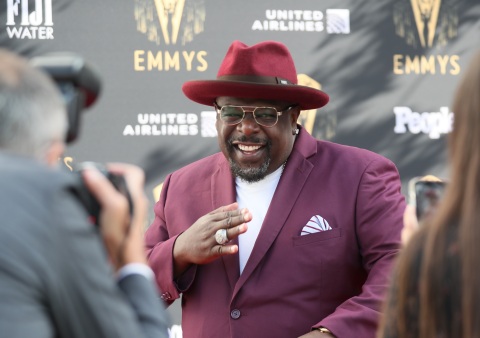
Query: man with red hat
<point>279,234</point>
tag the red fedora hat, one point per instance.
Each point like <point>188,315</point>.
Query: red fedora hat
<point>262,71</point>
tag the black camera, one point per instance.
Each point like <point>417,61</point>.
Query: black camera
<point>88,200</point>
<point>80,86</point>
<point>78,82</point>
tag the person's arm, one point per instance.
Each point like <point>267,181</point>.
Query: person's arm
<point>379,212</point>
<point>174,251</point>
<point>122,234</point>
<point>159,248</point>
<point>142,314</point>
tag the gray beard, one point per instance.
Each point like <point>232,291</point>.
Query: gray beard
<point>250,175</point>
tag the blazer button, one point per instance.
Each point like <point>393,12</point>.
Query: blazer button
<point>235,314</point>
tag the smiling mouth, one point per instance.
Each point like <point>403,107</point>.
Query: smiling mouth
<point>246,148</point>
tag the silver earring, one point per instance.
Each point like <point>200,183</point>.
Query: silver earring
<point>295,131</point>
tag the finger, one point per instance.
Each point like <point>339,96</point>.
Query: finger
<point>114,210</point>
<point>224,208</point>
<point>410,223</point>
<point>135,180</point>
<point>231,219</point>
<point>103,191</point>
<point>228,220</point>
<point>134,177</point>
<point>132,248</point>
<point>237,231</point>
<point>222,250</point>
<point>410,218</point>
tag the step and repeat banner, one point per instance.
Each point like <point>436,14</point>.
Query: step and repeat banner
<point>390,68</point>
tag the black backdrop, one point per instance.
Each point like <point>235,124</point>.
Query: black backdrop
<point>390,72</point>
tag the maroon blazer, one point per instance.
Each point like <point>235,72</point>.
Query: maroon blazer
<point>335,278</point>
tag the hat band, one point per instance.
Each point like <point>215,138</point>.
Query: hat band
<point>256,79</point>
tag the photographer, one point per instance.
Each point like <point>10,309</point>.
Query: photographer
<point>55,280</point>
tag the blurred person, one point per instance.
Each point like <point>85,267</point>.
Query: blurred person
<point>324,219</point>
<point>435,289</point>
<point>55,279</point>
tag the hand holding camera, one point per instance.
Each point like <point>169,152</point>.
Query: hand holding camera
<point>88,200</point>
<point>121,226</point>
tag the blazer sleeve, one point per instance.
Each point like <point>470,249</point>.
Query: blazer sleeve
<point>379,220</point>
<point>95,305</point>
<point>159,245</point>
<point>138,291</point>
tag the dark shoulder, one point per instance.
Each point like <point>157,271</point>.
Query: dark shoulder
<point>31,189</point>
<point>18,173</point>
<point>31,198</point>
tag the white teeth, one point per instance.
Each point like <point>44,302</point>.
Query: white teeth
<point>248,148</point>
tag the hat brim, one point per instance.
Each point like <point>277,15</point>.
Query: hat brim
<point>206,92</point>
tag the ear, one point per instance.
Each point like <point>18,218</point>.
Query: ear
<point>295,113</point>
<point>54,152</point>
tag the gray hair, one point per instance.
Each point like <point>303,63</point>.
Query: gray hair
<point>32,111</point>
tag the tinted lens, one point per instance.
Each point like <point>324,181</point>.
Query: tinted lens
<point>266,116</point>
<point>231,114</point>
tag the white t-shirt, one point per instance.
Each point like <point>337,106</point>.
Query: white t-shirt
<point>256,197</point>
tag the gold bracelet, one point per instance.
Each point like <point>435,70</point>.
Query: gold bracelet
<point>324,330</point>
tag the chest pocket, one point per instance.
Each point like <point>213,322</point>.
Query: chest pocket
<point>321,236</point>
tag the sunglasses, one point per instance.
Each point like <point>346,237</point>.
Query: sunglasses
<point>264,116</point>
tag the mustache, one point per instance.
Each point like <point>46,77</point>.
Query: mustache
<point>252,139</point>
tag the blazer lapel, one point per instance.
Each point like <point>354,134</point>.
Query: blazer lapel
<point>289,187</point>
<point>223,193</point>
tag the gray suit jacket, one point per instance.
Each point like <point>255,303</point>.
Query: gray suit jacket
<point>54,277</point>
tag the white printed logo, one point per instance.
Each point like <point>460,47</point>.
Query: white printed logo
<point>169,124</point>
<point>208,119</point>
<point>302,20</point>
<point>433,124</point>
<point>29,23</point>
<point>338,21</point>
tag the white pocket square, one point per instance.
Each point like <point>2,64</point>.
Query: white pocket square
<point>316,224</point>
